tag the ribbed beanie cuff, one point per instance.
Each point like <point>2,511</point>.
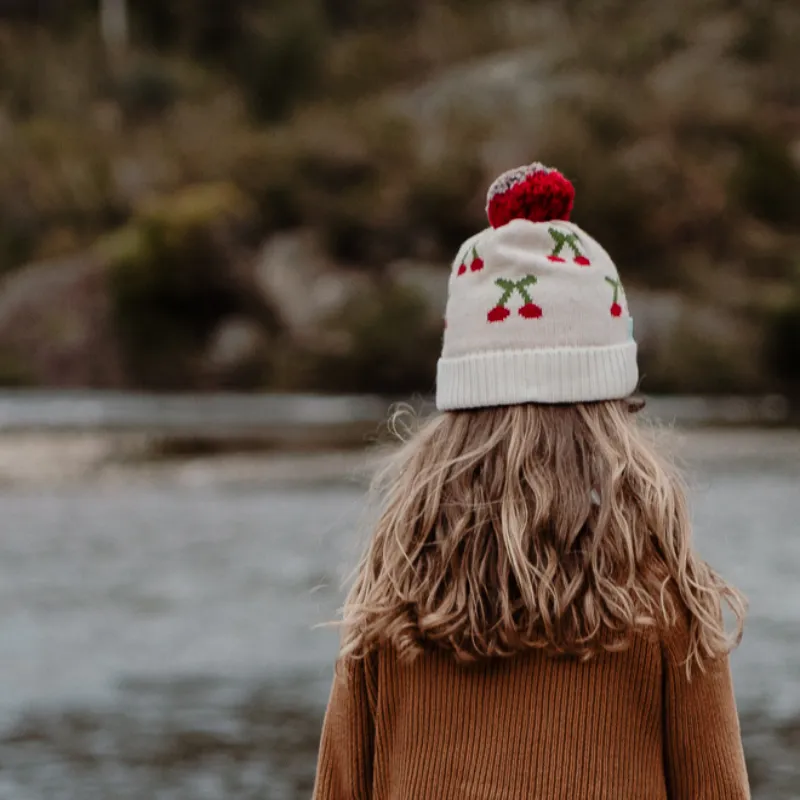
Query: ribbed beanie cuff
<point>558,375</point>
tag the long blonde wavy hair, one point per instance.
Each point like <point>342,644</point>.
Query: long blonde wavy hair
<point>532,526</point>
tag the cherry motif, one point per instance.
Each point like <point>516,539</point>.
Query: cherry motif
<point>616,308</point>
<point>476,265</point>
<point>530,311</point>
<point>498,314</point>
<point>569,240</point>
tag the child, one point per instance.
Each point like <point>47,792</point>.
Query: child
<point>530,619</point>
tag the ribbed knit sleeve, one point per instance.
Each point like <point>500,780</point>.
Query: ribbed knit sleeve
<point>344,771</point>
<point>703,745</point>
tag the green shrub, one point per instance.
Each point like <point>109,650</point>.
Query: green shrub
<point>264,169</point>
<point>694,363</point>
<point>783,345</point>
<point>613,202</point>
<point>363,183</point>
<point>15,373</point>
<point>757,36</point>
<point>274,51</point>
<point>611,205</point>
<point>350,227</point>
<point>329,182</point>
<point>446,200</point>
<point>766,181</point>
<point>207,30</point>
<point>55,177</point>
<point>171,279</point>
<point>339,194</point>
<point>366,186</point>
<point>56,15</point>
<point>609,123</point>
<point>349,179</point>
<point>280,61</point>
<point>387,15</point>
<point>392,346</point>
<point>146,90</point>
<point>361,64</point>
<point>159,23</point>
<point>17,243</point>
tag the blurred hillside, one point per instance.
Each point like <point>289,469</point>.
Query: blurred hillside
<point>267,193</point>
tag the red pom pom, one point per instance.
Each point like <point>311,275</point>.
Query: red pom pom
<point>535,192</point>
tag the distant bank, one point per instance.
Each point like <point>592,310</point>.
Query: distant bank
<point>57,438</point>
<point>286,417</point>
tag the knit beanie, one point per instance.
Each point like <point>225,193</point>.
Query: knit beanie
<point>536,312</point>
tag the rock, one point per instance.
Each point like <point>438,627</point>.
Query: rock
<point>237,345</point>
<point>56,326</point>
<point>302,285</point>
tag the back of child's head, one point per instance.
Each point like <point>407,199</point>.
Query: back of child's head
<point>535,512</point>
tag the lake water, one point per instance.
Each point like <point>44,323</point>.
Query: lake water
<point>157,635</point>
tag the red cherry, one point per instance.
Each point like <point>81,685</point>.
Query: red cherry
<point>462,269</point>
<point>477,264</point>
<point>556,258</point>
<point>582,260</point>
<point>530,311</point>
<point>616,310</point>
<point>498,314</point>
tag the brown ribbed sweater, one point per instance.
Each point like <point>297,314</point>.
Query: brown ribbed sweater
<point>624,726</point>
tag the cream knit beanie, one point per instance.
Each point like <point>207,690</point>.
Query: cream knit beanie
<point>536,312</point>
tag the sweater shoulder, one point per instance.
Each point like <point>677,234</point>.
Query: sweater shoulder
<point>360,675</point>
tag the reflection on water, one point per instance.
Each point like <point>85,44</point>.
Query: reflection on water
<point>157,641</point>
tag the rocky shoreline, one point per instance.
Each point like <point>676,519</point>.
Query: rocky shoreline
<point>298,320</point>
<point>106,458</point>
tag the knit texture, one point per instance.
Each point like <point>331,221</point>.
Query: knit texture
<point>536,311</point>
<point>624,726</point>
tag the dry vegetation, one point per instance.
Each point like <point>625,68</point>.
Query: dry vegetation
<point>680,127</point>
